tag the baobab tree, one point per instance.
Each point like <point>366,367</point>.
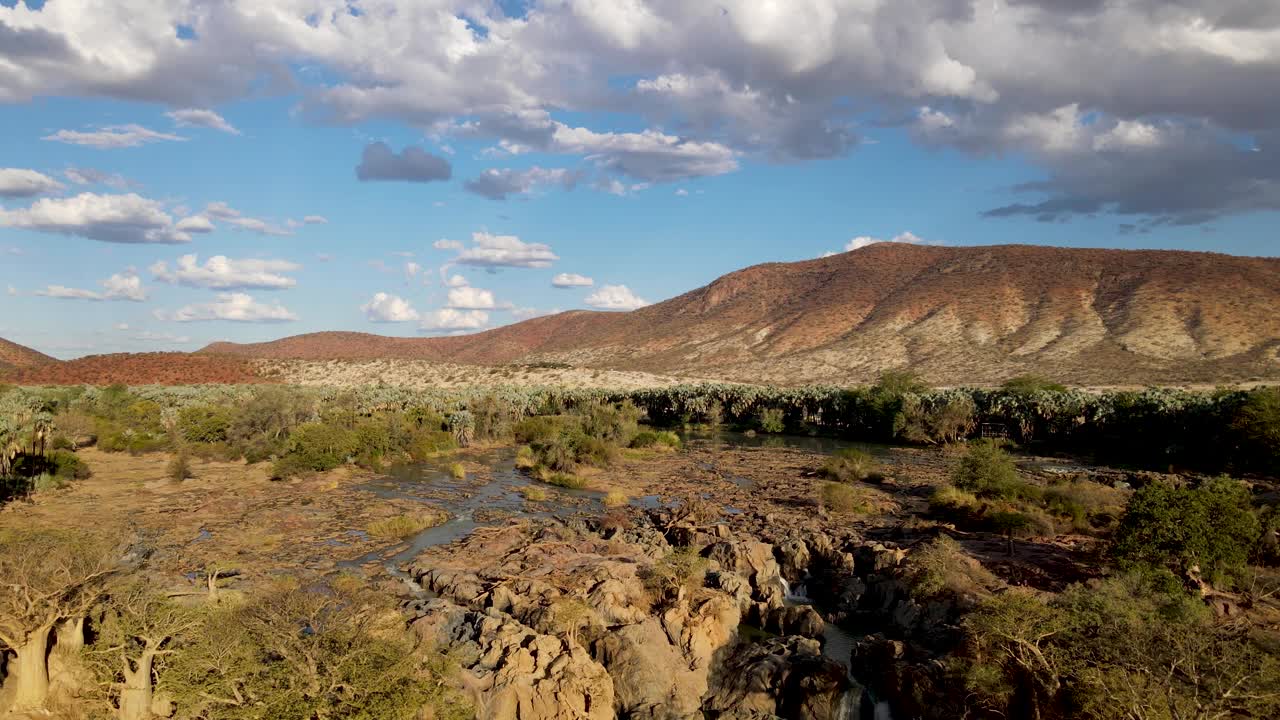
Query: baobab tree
<point>139,631</point>
<point>49,578</point>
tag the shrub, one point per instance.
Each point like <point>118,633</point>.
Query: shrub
<point>425,443</point>
<point>1087,504</point>
<point>942,566</point>
<point>540,428</point>
<point>204,423</point>
<point>841,498</point>
<point>987,470</point>
<point>675,575</point>
<point>316,447</point>
<point>371,441</point>
<point>615,498</point>
<point>1212,526</point>
<point>850,465</point>
<point>612,424</point>
<point>180,467</point>
<point>457,470</point>
<point>402,526</point>
<point>656,439</point>
<point>526,459</point>
<point>1256,425</point>
<point>949,500</point>
<point>66,465</point>
<point>771,420</point>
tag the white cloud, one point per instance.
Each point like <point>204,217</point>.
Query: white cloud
<point>120,326</point>
<point>113,137</point>
<point>451,319</point>
<point>505,251</point>
<point>864,240</point>
<point>21,183</point>
<point>388,308</point>
<point>456,281</point>
<point>649,155</point>
<point>470,298</point>
<point>195,224</point>
<point>13,291</point>
<point>411,269</point>
<point>201,118</point>
<point>571,280</point>
<point>223,212</point>
<point>315,220</point>
<point>528,313</point>
<point>223,273</point>
<point>615,297</point>
<point>120,286</point>
<point>443,244</point>
<point>235,307</point>
<point>128,218</point>
<point>682,193</point>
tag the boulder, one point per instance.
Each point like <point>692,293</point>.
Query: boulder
<point>780,677</point>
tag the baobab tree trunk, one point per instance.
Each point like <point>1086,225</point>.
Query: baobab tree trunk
<point>32,669</point>
<point>137,694</point>
<point>71,635</point>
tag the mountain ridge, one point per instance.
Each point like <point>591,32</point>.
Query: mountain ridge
<point>974,313</point>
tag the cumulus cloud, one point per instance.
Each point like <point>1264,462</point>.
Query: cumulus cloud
<point>466,297</point>
<point>120,286</point>
<point>192,117</point>
<point>615,297</point>
<point>315,220</point>
<point>413,164</point>
<point>495,251</point>
<point>499,184</point>
<point>739,78</point>
<point>386,308</point>
<point>128,218</point>
<point>455,281</point>
<point>443,244</point>
<point>223,273</point>
<point>113,137</point>
<point>20,183</point>
<point>449,319</point>
<point>571,280</point>
<point>234,307</point>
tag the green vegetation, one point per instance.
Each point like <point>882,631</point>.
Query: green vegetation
<point>772,420</point>
<point>457,470</point>
<point>659,439</point>
<point>988,471</point>
<point>941,567</point>
<point>674,577</point>
<point>615,498</point>
<point>1136,645</point>
<point>1211,526</point>
<point>179,468</point>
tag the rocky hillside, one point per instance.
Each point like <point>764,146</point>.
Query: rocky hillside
<point>13,355</point>
<point>955,314</point>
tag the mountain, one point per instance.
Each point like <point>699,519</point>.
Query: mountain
<point>15,356</point>
<point>954,314</point>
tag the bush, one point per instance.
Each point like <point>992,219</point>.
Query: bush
<point>316,447</point>
<point>988,471</point>
<point>457,470</point>
<point>371,441</point>
<point>771,420</point>
<point>675,575</point>
<point>525,458</point>
<point>1087,504</point>
<point>180,467</point>
<point>204,423</point>
<point>1212,526</point>
<point>615,498</point>
<point>424,444</point>
<point>841,498</point>
<point>613,424</point>
<point>850,465</point>
<point>541,428</point>
<point>533,493</point>
<point>1256,425</point>
<point>661,439</point>
<point>942,566</point>
<point>564,480</point>
<point>66,465</point>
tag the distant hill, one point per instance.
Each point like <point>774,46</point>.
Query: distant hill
<point>13,356</point>
<point>157,368</point>
<point>954,314</point>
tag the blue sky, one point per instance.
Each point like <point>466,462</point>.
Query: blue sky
<point>651,174</point>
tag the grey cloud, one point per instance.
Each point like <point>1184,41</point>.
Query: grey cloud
<point>413,164</point>
<point>499,184</point>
